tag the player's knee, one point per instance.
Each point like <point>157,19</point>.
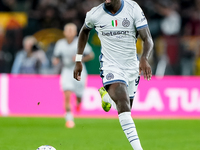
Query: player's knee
<point>119,94</point>
<point>123,106</point>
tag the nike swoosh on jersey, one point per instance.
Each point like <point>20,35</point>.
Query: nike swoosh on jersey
<point>102,26</point>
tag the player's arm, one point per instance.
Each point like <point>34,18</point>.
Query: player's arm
<point>82,40</point>
<point>147,48</point>
<point>55,61</point>
<point>56,54</point>
<point>88,57</point>
<point>88,53</point>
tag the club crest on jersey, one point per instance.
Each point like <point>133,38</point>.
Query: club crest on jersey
<point>125,22</point>
<point>109,76</point>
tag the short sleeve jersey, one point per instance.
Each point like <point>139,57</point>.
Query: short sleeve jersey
<point>67,52</point>
<point>117,33</point>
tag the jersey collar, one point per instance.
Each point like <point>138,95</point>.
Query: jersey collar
<point>120,9</point>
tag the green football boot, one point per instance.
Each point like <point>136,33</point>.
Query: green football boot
<point>105,105</point>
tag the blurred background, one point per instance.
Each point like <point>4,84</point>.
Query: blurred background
<point>171,103</point>
<point>174,25</point>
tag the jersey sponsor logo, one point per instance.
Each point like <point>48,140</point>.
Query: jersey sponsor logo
<point>125,22</point>
<point>109,76</point>
<point>114,23</point>
<point>113,33</point>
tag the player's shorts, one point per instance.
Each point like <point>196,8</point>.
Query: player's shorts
<point>68,82</point>
<point>129,77</point>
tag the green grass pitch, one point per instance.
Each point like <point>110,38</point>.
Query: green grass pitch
<point>20,133</point>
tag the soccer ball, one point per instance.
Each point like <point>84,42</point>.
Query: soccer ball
<point>46,147</point>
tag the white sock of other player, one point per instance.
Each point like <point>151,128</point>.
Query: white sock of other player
<point>69,116</point>
<point>129,129</point>
<point>107,98</point>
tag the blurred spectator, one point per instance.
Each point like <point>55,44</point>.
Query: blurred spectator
<point>11,43</point>
<point>189,42</point>
<point>7,5</point>
<point>187,62</point>
<point>192,27</point>
<point>50,18</point>
<point>30,60</point>
<point>171,23</point>
<point>2,58</point>
<point>170,28</point>
<point>1,37</point>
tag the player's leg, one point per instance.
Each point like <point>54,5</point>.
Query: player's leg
<point>78,104</point>
<point>129,129</point>
<point>119,94</point>
<point>131,102</point>
<point>106,101</point>
<point>79,87</point>
<point>132,88</point>
<point>68,116</point>
<point>79,93</point>
<point>67,95</point>
<point>67,86</point>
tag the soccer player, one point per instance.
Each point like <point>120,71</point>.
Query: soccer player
<point>65,51</point>
<point>118,22</point>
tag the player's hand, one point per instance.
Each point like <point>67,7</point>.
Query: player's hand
<point>145,68</point>
<point>78,70</point>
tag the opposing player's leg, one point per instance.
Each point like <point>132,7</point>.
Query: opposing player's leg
<point>79,87</point>
<point>78,104</point>
<point>79,93</point>
<point>66,82</point>
<point>119,94</point>
<point>68,116</point>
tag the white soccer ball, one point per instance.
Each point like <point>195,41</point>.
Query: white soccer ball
<point>46,147</point>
